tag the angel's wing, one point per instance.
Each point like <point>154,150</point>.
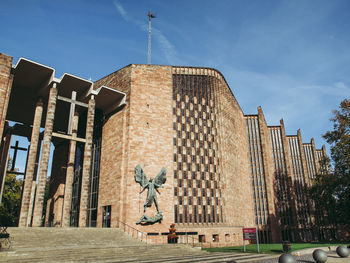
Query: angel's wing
<point>140,176</point>
<point>161,177</point>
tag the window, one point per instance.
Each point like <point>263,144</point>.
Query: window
<point>215,238</point>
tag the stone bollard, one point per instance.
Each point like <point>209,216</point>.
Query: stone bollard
<point>286,258</point>
<point>319,256</point>
<point>286,246</point>
<point>343,251</point>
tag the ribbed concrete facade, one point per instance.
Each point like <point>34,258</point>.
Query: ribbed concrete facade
<point>282,169</point>
<point>225,170</point>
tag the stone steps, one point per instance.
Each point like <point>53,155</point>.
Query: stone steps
<point>102,245</point>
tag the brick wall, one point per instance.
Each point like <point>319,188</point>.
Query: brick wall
<point>5,87</point>
<point>114,150</point>
<point>237,189</point>
<point>150,141</point>
<point>142,133</point>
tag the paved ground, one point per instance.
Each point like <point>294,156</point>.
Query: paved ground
<point>332,258</point>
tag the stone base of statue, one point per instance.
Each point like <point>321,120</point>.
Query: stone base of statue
<point>172,237</point>
<point>147,220</point>
<point>173,240</point>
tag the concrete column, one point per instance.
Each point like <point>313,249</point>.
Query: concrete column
<point>305,196</point>
<point>303,159</point>
<point>289,170</point>
<point>45,155</point>
<point>27,188</point>
<point>326,167</point>
<point>87,162</point>
<point>4,157</point>
<point>269,170</point>
<point>314,159</point>
<point>32,195</point>
<point>70,175</point>
<point>6,79</point>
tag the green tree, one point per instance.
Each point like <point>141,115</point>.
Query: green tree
<point>11,201</point>
<point>331,189</point>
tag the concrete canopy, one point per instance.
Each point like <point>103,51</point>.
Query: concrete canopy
<point>32,80</point>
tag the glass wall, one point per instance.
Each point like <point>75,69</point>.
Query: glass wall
<point>258,178</point>
<point>91,218</point>
<point>198,193</point>
<point>282,185</point>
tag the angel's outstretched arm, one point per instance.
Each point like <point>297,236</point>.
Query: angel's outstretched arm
<point>158,185</point>
<point>144,187</point>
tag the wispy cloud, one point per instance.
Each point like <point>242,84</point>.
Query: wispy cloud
<point>167,48</point>
<point>301,104</point>
<point>121,10</point>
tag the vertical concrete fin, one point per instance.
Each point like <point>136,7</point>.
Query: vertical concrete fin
<point>87,162</point>
<point>25,215</point>
<point>45,155</point>
<point>267,155</point>
<point>70,175</point>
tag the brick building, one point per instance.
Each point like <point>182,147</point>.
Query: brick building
<point>225,170</point>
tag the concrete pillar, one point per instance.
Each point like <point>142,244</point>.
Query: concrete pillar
<point>70,175</point>
<point>87,162</point>
<point>6,79</point>
<point>32,195</point>
<point>4,157</point>
<point>31,204</point>
<point>305,196</point>
<point>314,155</point>
<point>326,165</point>
<point>269,171</point>
<point>45,155</point>
<point>303,159</point>
<point>27,188</point>
<point>48,212</point>
<point>289,170</point>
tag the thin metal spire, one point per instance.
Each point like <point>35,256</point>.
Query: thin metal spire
<point>150,16</point>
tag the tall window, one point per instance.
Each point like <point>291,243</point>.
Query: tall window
<point>282,185</point>
<point>74,212</point>
<point>195,147</point>
<point>94,172</point>
<point>258,176</point>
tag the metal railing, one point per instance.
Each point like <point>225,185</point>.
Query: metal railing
<point>185,239</point>
<point>5,239</point>
<point>142,236</point>
<point>189,239</point>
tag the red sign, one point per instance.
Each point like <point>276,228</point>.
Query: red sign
<point>249,230</point>
<point>249,233</point>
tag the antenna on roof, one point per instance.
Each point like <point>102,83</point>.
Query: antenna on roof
<point>150,16</point>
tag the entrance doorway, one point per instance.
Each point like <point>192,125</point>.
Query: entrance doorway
<point>106,216</point>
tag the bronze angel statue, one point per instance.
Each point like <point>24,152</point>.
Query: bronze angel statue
<point>152,185</point>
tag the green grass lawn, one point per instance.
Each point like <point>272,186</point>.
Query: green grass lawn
<point>269,248</point>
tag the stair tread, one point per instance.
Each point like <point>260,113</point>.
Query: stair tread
<point>100,245</point>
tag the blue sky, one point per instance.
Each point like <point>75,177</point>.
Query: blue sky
<point>290,57</point>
